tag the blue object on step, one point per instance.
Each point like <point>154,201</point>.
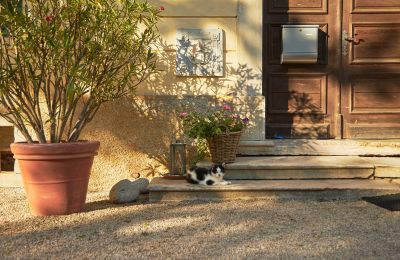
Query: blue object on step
<point>277,136</point>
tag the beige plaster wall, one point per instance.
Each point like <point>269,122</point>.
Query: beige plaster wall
<point>135,132</point>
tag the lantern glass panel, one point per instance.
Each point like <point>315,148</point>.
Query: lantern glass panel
<point>177,158</point>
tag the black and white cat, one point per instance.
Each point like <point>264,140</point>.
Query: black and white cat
<point>203,176</point>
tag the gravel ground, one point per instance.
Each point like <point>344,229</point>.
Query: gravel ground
<point>258,229</point>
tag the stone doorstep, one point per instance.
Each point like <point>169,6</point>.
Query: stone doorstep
<point>299,174</point>
<point>10,180</point>
<point>161,189</point>
<point>300,162</point>
<point>329,147</point>
<point>298,167</point>
<point>385,167</point>
<point>163,184</point>
<point>295,162</point>
<point>311,167</point>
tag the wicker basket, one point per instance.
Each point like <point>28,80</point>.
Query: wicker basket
<point>223,147</point>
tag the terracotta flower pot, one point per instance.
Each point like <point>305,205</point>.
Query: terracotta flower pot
<point>55,176</point>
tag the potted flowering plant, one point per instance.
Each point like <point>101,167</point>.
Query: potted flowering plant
<point>59,62</point>
<point>221,128</point>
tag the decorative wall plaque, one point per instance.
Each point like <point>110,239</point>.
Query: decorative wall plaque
<point>200,52</point>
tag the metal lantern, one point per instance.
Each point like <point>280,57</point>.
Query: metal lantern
<point>177,160</point>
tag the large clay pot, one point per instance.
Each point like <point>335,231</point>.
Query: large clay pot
<point>55,176</point>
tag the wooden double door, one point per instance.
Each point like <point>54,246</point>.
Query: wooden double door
<point>353,91</point>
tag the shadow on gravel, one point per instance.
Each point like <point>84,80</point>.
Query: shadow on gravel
<point>143,200</point>
<point>102,204</point>
<point>106,204</point>
<point>251,229</point>
<point>390,202</point>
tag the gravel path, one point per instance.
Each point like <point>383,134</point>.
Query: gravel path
<point>256,229</point>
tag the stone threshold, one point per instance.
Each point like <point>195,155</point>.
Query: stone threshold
<point>328,147</point>
<point>311,167</point>
<point>10,180</point>
<point>161,189</point>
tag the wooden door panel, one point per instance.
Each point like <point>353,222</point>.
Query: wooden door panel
<point>302,83</point>
<point>295,103</point>
<point>313,101</point>
<point>371,84</point>
<point>300,130</point>
<point>297,6</point>
<point>302,100</point>
<point>375,94</point>
<point>373,131</point>
<point>376,102</point>
<point>297,93</point>
<point>379,43</point>
<point>384,83</point>
<point>375,6</point>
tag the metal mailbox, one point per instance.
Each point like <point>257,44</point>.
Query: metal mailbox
<point>299,44</point>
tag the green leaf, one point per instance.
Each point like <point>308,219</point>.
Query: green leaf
<point>71,92</point>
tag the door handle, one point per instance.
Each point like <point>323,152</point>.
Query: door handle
<point>345,42</point>
<point>353,40</point>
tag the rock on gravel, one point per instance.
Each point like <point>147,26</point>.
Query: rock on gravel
<point>141,184</point>
<point>122,192</point>
<point>126,191</point>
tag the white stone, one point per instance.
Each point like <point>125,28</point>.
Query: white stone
<point>141,184</point>
<point>124,192</point>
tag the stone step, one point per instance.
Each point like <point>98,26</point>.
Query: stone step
<point>329,147</point>
<point>298,167</point>
<point>162,190</point>
<point>385,167</point>
<point>10,180</point>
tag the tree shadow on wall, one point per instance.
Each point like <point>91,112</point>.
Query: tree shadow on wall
<point>151,119</point>
<point>306,115</point>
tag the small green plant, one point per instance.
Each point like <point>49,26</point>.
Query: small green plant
<point>202,126</point>
<point>206,125</point>
<point>202,152</point>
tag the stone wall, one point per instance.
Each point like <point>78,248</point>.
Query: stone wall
<point>6,137</point>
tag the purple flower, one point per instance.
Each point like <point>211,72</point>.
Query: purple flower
<point>245,120</point>
<point>183,115</point>
<point>227,107</point>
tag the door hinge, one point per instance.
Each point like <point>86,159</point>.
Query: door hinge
<point>345,43</point>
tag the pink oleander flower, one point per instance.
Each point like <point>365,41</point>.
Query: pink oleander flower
<point>235,116</point>
<point>49,18</point>
<point>227,107</point>
<point>162,8</point>
<point>183,114</point>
